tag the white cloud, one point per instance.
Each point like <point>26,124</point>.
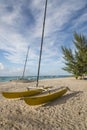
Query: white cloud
<point>16,34</point>
<point>1,66</point>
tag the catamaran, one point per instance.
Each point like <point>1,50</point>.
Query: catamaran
<point>46,96</point>
<point>36,95</point>
<point>28,92</point>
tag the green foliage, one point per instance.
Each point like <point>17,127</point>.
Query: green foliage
<point>76,63</point>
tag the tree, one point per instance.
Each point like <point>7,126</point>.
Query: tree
<point>76,63</point>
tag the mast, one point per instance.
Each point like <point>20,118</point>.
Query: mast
<point>41,42</point>
<point>25,63</point>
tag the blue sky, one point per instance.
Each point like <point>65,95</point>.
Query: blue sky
<point>21,26</point>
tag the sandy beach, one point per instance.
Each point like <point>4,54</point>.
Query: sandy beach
<point>66,113</point>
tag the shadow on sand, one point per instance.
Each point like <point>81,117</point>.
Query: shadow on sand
<point>62,99</point>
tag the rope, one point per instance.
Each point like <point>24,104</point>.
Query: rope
<point>41,43</point>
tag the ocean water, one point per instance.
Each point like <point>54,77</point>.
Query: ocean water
<point>8,78</point>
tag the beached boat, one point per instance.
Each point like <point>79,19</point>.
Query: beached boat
<point>27,93</point>
<point>46,96</point>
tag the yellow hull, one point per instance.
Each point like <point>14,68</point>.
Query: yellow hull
<point>22,94</point>
<point>44,98</point>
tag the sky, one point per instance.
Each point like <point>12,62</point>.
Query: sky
<point>21,26</point>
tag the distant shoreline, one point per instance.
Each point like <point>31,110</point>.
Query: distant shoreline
<point>30,78</point>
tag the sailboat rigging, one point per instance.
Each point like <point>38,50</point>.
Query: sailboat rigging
<point>25,62</point>
<point>41,42</point>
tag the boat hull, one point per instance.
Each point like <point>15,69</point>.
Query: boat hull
<point>21,94</point>
<point>37,100</point>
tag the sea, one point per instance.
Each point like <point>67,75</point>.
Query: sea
<point>9,78</point>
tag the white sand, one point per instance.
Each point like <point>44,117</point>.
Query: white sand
<point>66,113</point>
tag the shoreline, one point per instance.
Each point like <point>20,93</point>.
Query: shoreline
<point>67,112</point>
<point>12,78</point>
